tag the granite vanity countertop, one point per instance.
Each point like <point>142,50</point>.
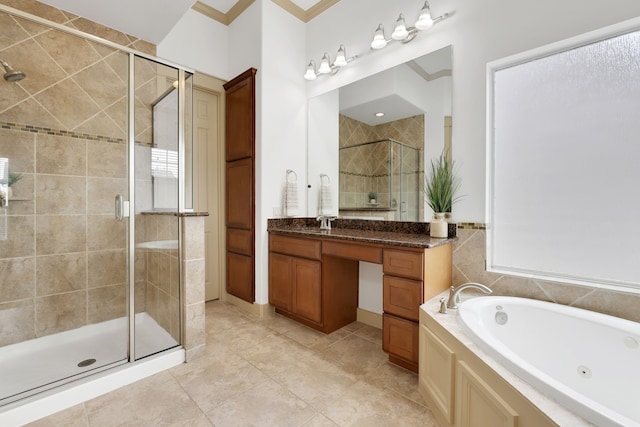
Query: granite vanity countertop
<point>407,234</point>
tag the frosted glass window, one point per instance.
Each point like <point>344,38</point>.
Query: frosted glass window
<point>564,165</point>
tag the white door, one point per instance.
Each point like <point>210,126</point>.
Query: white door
<point>207,108</point>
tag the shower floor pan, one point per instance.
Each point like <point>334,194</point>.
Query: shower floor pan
<point>40,364</point>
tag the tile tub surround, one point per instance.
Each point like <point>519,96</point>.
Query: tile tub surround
<point>269,371</point>
<point>469,266</point>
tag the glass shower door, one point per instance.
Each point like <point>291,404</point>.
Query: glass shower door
<point>63,254</point>
<point>157,272</point>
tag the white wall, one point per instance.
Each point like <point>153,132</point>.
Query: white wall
<point>323,134</point>
<point>282,125</point>
<point>479,32</point>
<point>200,43</point>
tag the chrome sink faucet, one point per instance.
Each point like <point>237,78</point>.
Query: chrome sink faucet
<point>454,293</point>
<point>325,221</point>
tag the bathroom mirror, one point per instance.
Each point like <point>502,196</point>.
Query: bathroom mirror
<point>373,137</point>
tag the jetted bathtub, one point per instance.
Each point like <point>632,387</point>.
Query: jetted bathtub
<point>588,362</point>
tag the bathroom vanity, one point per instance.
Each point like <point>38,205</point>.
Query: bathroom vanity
<point>313,275</point>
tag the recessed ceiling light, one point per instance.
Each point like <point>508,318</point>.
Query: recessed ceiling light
<point>379,114</point>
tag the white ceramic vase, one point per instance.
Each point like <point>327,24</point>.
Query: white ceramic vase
<point>439,227</point>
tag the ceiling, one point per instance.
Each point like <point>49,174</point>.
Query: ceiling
<point>151,20</point>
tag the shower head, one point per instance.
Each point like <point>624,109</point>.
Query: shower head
<point>10,74</point>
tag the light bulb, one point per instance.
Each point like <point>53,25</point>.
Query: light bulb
<point>341,57</point>
<point>400,31</point>
<point>324,68</point>
<point>311,71</point>
<point>424,19</point>
<point>379,40</point>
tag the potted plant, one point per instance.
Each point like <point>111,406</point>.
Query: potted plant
<point>440,187</point>
<point>13,178</point>
<point>373,198</point>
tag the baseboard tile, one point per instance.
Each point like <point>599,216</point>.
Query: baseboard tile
<point>369,318</point>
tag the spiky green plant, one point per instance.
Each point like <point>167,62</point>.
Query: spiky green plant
<point>441,185</point>
<point>14,177</point>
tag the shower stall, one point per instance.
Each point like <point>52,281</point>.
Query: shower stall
<point>391,170</point>
<point>93,139</point>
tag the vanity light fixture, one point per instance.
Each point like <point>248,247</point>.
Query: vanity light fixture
<point>341,57</point>
<point>326,67</point>
<point>400,33</point>
<point>379,40</point>
<point>311,73</point>
<point>424,21</point>
<point>405,34</point>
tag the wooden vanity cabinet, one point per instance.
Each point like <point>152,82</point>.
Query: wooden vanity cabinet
<point>314,280</point>
<point>316,290</point>
<point>410,277</point>
<point>295,279</point>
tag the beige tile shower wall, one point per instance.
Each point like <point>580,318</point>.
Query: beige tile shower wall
<point>193,267</point>
<point>66,18</point>
<point>63,263</point>
<point>468,265</point>
<point>364,170</point>
<point>63,127</point>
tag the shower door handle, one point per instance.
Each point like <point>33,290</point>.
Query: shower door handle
<point>122,208</point>
<point>119,207</point>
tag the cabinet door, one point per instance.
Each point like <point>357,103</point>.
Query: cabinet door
<point>400,337</point>
<point>240,276</point>
<point>240,116</point>
<point>280,281</point>
<point>240,194</point>
<point>436,379</point>
<point>307,289</point>
<point>478,404</point>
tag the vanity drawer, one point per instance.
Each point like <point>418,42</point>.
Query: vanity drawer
<point>400,337</point>
<point>353,251</point>
<point>403,263</point>
<point>402,297</point>
<point>305,248</point>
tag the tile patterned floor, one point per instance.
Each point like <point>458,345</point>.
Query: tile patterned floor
<point>267,372</point>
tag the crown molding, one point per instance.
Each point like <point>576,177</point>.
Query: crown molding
<point>242,5</point>
<point>427,76</point>
<point>223,18</point>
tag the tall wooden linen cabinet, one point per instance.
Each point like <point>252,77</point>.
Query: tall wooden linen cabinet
<point>240,184</point>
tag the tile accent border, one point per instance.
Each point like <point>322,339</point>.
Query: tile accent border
<point>59,132</point>
<point>472,226</point>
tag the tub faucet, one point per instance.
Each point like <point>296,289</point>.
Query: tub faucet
<point>454,293</point>
<point>325,221</point>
